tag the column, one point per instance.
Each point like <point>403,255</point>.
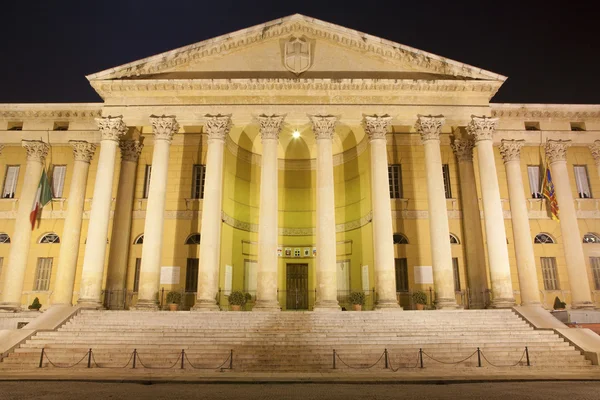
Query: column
<point>164,128</point>
<point>526,270</point>
<point>118,255</point>
<point>556,153</point>
<point>71,235</point>
<point>430,127</point>
<point>471,218</point>
<point>326,268</point>
<point>217,127</point>
<point>21,237</point>
<point>482,128</point>
<point>376,127</point>
<point>595,150</point>
<point>90,288</point>
<point>266,288</point>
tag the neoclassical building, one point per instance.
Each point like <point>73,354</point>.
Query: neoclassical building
<point>298,161</point>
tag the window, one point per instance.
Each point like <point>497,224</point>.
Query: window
<point>400,239</point>
<point>454,239</point>
<point>198,181</point>
<point>297,253</point>
<point>191,275</point>
<point>10,181</point>
<point>543,238</point>
<point>194,238</point>
<point>136,276</point>
<point>582,182</point>
<point>61,126</point>
<point>15,126</point>
<point>4,238</point>
<point>50,238</point>
<point>401,275</point>
<point>535,183</point>
<point>1,263</point>
<point>139,239</point>
<point>595,264</point>
<point>395,179</point>
<point>58,180</point>
<point>549,273</point>
<point>589,237</point>
<point>456,272</point>
<point>577,126</point>
<point>447,187</point>
<point>42,274</point>
<point>532,126</point>
<point>147,181</point>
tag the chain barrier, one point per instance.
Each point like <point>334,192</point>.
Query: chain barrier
<point>44,354</point>
<point>419,360</point>
<point>228,360</point>
<point>98,365</point>
<point>335,354</point>
<point>451,363</point>
<point>525,352</point>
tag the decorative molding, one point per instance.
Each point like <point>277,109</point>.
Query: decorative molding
<point>463,149</point>
<point>482,128</point>
<point>164,127</point>
<point>217,126</point>
<point>556,150</point>
<point>131,150</point>
<point>43,113</point>
<point>511,150</point>
<point>82,150</point>
<point>112,128</point>
<point>36,150</point>
<point>429,126</point>
<point>270,126</point>
<point>595,150</point>
<point>565,111</point>
<point>377,126</point>
<point>323,126</point>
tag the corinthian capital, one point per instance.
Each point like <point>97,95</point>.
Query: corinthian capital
<point>270,126</point>
<point>112,128</point>
<point>36,150</point>
<point>556,150</point>
<point>482,128</point>
<point>323,126</point>
<point>463,149</point>
<point>130,150</point>
<point>217,126</point>
<point>377,126</point>
<point>164,127</point>
<point>595,149</point>
<point>429,126</point>
<point>82,150</point>
<point>511,149</point>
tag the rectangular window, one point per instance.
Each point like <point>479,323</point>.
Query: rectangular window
<point>10,181</point>
<point>43,273</point>
<point>595,263</point>
<point>198,181</point>
<point>15,126</point>
<point>549,273</point>
<point>61,126</point>
<point>446,173</point>
<point>191,275</point>
<point>456,272</point>
<point>582,182</point>
<point>147,181</point>
<point>58,180</point>
<point>532,126</point>
<point>401,275</point>
<point>136,275</point>
<point>577,126</point>
<point>395,179</point>
<point>535,186</point>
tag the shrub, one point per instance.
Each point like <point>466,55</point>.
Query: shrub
<point>35,305</point>
<point>357,298</point>
<point>237,298</point>
<point>419,297</point>
<point>559,305</point>
<point>173,297</point>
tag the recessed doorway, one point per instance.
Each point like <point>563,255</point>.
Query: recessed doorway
<point>296,287</point>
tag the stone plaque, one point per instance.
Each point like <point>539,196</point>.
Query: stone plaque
<point>169,275</point>
<point>423,274</point>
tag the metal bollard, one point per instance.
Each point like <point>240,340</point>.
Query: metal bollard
<point>182,357</point>
<point>333,358</point>
<point>90,358</point>
<point>527,355</point>
<point>421,357</point>
<point>134,357</point>
<point>478,357</point>
<point>385,352</point>
<point>41,358</point>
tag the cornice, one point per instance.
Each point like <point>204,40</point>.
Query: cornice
<point>566,111</point>
<point>50,111</point>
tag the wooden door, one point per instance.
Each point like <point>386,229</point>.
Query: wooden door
<point>297,286</point>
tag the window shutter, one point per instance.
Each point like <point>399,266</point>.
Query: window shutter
<point>10,182</point>
<point>147,181</point>
<point>583,184</point>
<point>446,174</point>
<point>58,180</point>
<point>533,171</point>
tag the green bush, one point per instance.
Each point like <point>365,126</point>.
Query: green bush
<point>559,305</point>
<point>173,297</point>
<point>237,298</point>
<point>36,305</point>
<point>419,297</point>
<point>357,298</point>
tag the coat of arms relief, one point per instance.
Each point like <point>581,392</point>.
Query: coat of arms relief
<point>297,54</point>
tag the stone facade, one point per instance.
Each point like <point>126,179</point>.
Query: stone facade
<point>271,143</point>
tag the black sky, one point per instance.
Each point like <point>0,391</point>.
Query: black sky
<point>550,54</point>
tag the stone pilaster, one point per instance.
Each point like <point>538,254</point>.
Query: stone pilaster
<point>217,127</point>
<point>430,127</point>
<point>266,290</point>
<point>595,150</point>
<point>483,128</point>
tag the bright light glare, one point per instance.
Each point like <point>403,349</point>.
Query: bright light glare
<point>296,134</point>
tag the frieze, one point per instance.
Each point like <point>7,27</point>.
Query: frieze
<point>545,113</point>
<point>51,114</point>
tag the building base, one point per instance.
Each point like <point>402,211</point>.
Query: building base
<point>90,304</point>
<point>266,306</point>
<point>10,307</point>
<point>387,305</point>
<point>145,305</point>
<point>327,306</point>
<point>584,305</point>
<point>503,303</point>
<point>205,305</point>
<point>446,304</point>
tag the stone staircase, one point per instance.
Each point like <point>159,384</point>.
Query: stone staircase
<point>297,341</point>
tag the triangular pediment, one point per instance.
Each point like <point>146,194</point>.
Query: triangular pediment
<point>296,47</point>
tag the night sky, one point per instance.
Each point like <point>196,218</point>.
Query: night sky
<point>550,55</point>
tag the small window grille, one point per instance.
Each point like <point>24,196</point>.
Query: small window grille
<point>50,238</point>
<point>139,239</point>
<point>543,238</point>
<point>400,239</point>
<point>199,177</point>
<point>4,238</point>
<point>194,238</point>
<point>589,237</point>
<point>395,181</point>
<point>454,239</point>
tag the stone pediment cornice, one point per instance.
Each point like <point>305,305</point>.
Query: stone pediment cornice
<point>566,111</point>
<point>50,111</point>
<point>301,25</point>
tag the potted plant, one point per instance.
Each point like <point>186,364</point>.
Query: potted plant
<point>237,299</point>
<point>357,299</point>
<point>173,300</point>
<point>559,305</point>
<point>36,305</point>
<point>420,299</point>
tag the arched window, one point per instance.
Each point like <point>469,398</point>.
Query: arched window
<point>543,238</point>
<point>139,239</point>
<point>194,238</point>
<point>589,237</point>
<point>50,237</point>
<point>400,239</point>
<point>4,238</point>
<point>454,239</point>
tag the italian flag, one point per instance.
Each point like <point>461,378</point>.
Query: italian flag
<point>43,196</point>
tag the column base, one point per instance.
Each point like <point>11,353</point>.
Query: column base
<point>266,305</point>
<point>584,305</point>
<point>145,305</point>
<point>387,305</point>
<point>205,305</point>
<point>503,303</point>
<point>446,304</point>
<point>326,306</point>
<point>90,304</point>
<point>10,307</point>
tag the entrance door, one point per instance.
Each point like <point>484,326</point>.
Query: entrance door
<point>297,286</point>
